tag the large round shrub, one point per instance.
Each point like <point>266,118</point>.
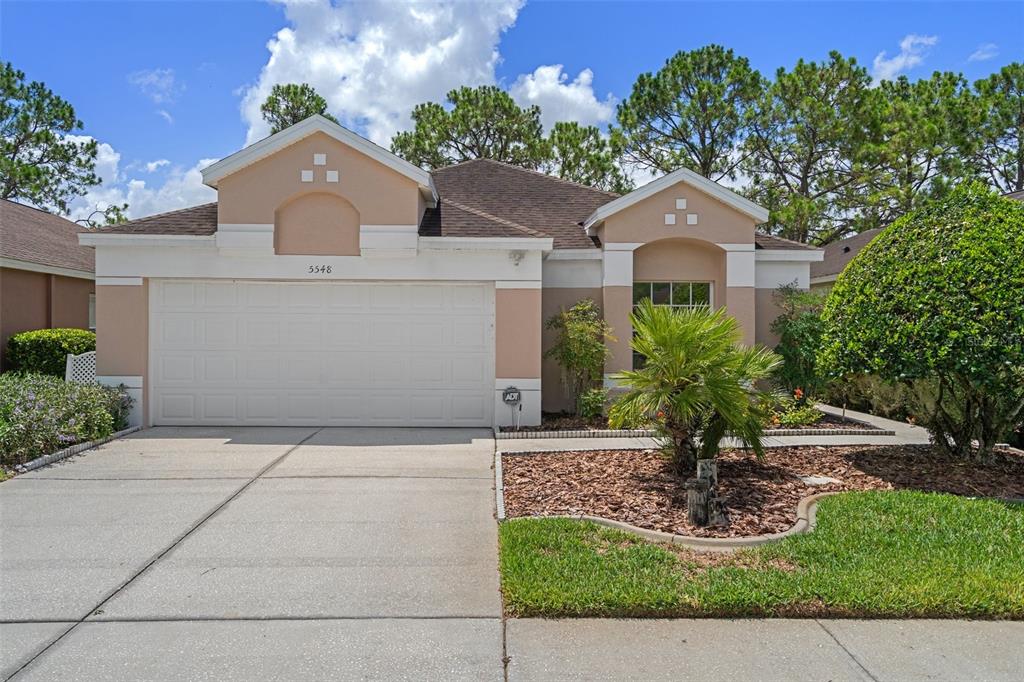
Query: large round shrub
<point>936,301</point>
<point>45,351</point>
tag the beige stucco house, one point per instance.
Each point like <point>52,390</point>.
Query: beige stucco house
<point>333,283</point>
<point>46,276</point>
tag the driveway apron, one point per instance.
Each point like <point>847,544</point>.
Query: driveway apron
<point>255,552</point>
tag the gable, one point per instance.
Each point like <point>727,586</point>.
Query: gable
<point>381,195</point>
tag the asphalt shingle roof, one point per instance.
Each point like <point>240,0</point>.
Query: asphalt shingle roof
<point>838,254</point>
<point>479,198</point>
<point>35,236</point>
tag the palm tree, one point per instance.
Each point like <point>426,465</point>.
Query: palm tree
<point>697,378</point>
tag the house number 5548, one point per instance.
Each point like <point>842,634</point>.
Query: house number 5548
<point>319,269</point>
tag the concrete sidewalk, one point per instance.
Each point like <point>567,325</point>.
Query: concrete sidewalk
<point>906,434</point>
<point>764,650</point>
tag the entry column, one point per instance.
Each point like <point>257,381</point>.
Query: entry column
<point>122,338</point>
<point>517,359</point>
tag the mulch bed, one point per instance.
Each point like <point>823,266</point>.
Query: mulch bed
<point>571,422</point>
<point>640,488</point>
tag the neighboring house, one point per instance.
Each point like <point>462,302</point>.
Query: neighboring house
<point>1017,196</point>
<point>837,256</point>
<point>46,276</point>
<point>334,283</point>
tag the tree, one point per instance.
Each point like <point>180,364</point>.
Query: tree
<point>111,215</point>
<point>579,347</point>
<point>994,147</point>
<point>580,154</point>
<point>290,103</point>
<point>41,162</point>
<point>934,302</point>
<point>693,113</point>
<point>913,157</point>
<point>483,123</point>
<point>697,377</point>
<point>807,147</point>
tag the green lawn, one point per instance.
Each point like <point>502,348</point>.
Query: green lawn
<point>882,554</point>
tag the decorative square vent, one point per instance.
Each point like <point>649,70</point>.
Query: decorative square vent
<point>680,204</point>
<point>332,176</point>
<point>319,159</point>
<point>691,218</point>
<point>307,176</point>
<point>670,218</point>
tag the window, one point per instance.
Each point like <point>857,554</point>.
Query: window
<point>92,312</point>
<point>672,294</point>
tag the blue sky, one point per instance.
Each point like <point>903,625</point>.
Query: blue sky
<point>173,84</point>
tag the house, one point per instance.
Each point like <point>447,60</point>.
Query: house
<point>333,283</point>
<point>837,255</point>
<point>46,276</point>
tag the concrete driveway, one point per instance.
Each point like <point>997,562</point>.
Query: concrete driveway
<point>255,553</point>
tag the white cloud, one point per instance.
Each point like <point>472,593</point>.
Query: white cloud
<point>913,49</point>
<point>163,113</point>
<point>160,85</point>
<point>984,52</point>
<point>374,61</point>
<point>560,99</point>
<point>182,187</point>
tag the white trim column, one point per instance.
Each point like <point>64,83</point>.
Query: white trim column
<point>617,290</point>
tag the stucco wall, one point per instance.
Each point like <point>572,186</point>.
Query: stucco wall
<point>554,300</point>
<point>36,300</point>
<point>517,330</point>
<point>767,310</point>
<point>644,222</point>
<point>122,330</point>
<point>317,224</point>
<point>381,196</point>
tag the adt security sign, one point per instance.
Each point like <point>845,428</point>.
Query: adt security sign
<point>511,396</point>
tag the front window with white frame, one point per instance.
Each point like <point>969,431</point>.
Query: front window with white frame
<point>681,295</point>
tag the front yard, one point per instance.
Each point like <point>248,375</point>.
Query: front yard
<point>873,554</point>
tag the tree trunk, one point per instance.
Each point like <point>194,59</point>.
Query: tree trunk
<point>708,470</point>
<point>685,451</point>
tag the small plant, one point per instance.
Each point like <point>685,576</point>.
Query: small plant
<point>794,411</point>
<point>592,403</point>
<point>41,414</point>
<point>799,331</point>
<point>45,351</point>
<point>580,348</point>
<point>698,379</point>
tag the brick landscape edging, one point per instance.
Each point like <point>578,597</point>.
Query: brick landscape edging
<point>73,450</point>
<point>646,433</point>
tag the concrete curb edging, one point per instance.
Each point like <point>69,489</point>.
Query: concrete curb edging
<point>647,433</point>
<point>42,461</point>
<point>499,487</point>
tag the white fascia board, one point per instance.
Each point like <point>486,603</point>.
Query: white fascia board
<point>487,243</point>
<point>623,246</point>
<point>824,279</point>
<point>575,254</point>
<point>213,173</point>
<point>803,256</point>
<point>15,264</point>
<point>685,175</point>
<point>121,239</point>
<point>744,246</point>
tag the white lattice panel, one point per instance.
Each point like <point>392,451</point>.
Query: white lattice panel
<point>81,369</point>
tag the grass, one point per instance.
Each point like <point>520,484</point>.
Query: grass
<point>873,554</point>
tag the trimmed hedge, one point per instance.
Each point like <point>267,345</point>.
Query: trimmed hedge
<point>41,414</point>
<point>936,302</point>
<point>45,351</point>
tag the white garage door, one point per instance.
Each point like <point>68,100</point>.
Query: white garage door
<point>321,353</point>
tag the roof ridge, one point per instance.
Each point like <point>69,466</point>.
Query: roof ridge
<point>494,218</point>
<point>41,210</point>
<point>552,177</point>
<point>157,215</point>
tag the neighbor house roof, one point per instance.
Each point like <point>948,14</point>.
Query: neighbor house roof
<point>838,254</point>
<point>30,235</point>
<point>1018,195</point>
<point>478,198</point>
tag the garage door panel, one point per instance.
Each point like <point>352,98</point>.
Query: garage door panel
<point>322,353</point>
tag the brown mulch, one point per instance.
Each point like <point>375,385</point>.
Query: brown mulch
<point>639,486</point>
<point>570,422</point>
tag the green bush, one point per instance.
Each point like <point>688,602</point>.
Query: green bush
<point>866,393</point>
<point>592,403</point>
<point>935,302</point>
<point>579,347</point>
<point>41,414</point>
<point>799,331</point>
<point>45,351</point>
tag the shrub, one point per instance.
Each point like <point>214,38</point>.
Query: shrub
<point>793,411</point>
<point>935,302</point>
<point>799,331</point>
<point>41,414</point>
<point>696,378</point>
<point>45,351</point>
<point>592,402</point>
<point>866,393</point>
<point>580,348</point>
